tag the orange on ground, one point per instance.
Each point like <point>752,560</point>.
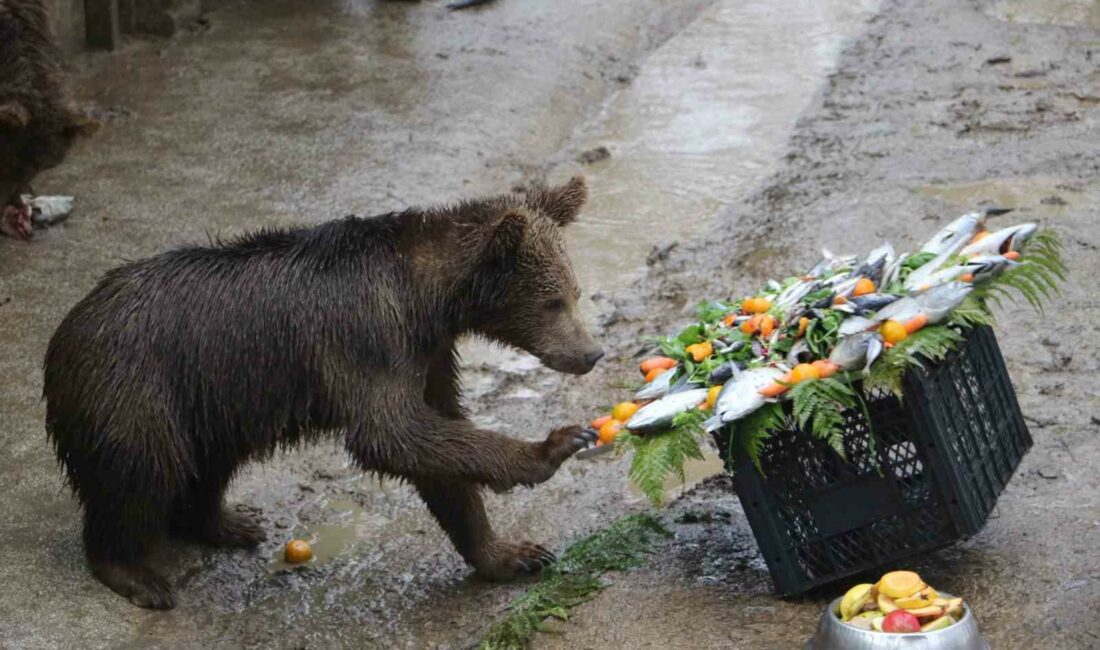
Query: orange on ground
<point>623,411</point>
<point>915,323</point>
<point>803,324</point>
<point>767,325</point>
<point>893,332</point>
<point>663,363</point>
<point>755,305</point>
<point>899,584</point>
<point>599,422</point>
<point>864,286</point>
<point>298,551</point>
<point>712,395</point>
<point>804,371</point>
<point>653,374</point>
<point>700,351</point>
<point>609,431</point>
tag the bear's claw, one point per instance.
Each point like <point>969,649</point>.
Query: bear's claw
<point>511,560</point>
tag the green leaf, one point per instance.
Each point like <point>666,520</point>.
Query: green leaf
<point>932,343</point>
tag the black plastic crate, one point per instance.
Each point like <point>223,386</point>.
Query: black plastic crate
<point>931,475</point>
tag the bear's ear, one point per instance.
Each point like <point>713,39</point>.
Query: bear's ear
<point>562,203</point>
<point>507,234</point>
<point>13,114</point>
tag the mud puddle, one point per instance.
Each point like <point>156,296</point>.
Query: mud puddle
<point>1069,13</point>
<point>1035,197</point>
<point>346,525</point>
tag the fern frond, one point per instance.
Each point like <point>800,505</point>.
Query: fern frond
<point>932,343</point>
<point>752,431</point>
<point>818,407</point>
<point>971,312</point>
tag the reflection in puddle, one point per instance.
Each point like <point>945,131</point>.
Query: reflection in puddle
<point>705,120</point>
<point>1072,13</point>
<point>1039,197</point>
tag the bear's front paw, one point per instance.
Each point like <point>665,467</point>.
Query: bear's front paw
<point>564,442</point>
<point>509,560</point>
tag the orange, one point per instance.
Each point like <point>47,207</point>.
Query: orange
<point>298,551</point>
<point>839,300</point>
<point>663,363</point>
<point>864,286</point>
<point>803,324</point>
<point>700,351</point>
<point>767,325</point>
<point>609,431</point>
<point>599,422</point>
<point>623,411</point>
<point>751,325</point>
<point>804,371</point>
<point>652,374</point>
<point>712,395</point>
<point>979,236</point>
<point>893,332</point>
<point>755,305</point>
<point>1012,255</point>
<point>825,368</point>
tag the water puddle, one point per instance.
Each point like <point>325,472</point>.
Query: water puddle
<point>1070,13</point>
<point>705,120</point>
<point>1035,196</point>
<point>345,524</point>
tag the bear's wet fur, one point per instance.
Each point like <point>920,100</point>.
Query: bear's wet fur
<point>176,370</point>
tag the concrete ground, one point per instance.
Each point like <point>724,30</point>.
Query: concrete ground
<point>838,124</point>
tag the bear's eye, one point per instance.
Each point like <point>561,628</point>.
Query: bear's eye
<point>554,304</point>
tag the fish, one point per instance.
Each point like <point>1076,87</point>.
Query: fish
<point>872,301</point>
<point>948,274</point>
<point>986,267</point>
<point>956,234</point>
<point>874,265</point>
<point>657,416</point>
<point>901,310</point>
<point>921,276</point>
<point>659,387</point>
<point>1002,241</point>
<point>893,269</point>
<point>792,295</point>
<point>829,264</point>
<point>854,325</point>
<point>723,373</point>
<point>740,398</point>
<point>857,350</point>
<point>937,302</point>
<point>800,353</point>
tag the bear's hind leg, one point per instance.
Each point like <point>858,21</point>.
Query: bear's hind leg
<point>117,533</point>
<point>201,515</point>
<point>460,512</point>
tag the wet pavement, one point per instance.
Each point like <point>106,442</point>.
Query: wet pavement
<point>282,112</point>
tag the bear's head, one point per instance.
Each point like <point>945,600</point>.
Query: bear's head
<point>535,293</point>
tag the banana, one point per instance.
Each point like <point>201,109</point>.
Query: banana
<point>854,600</point>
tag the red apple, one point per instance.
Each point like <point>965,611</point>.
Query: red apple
<point>900,621</point>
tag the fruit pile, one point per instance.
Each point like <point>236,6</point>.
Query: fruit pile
<point>899,602</point>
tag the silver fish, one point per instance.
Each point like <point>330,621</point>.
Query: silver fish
<point>937,302</point>
<point>920,276</point>
<point>724,373</point>
<point>791,296</point>
<point>658,415</point>
<point>900,310</point>
<point>800,353</point>
<point>1003,241</point>
<point>854,325</point>
<point>657,388</point>
<point>955,235</point>
<point>742,397</point>
<point>857,350</point>
<point>872,301</point>
<point>829,264</point>
<point>985,267</point>
<point>941,276</point>
<point>892,269</point>
<point>874,265</point>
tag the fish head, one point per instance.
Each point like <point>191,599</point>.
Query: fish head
<point>852,352</point>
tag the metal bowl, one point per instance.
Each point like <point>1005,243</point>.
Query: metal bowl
<point>834,635</point>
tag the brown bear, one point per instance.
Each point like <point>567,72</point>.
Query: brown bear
<point>37,123</point>
<point>177,369</point>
